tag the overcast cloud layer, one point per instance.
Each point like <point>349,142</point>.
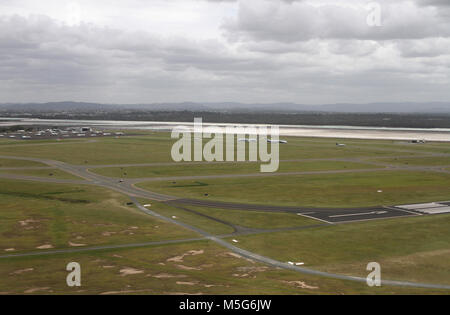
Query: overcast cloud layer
<point>145,51</point>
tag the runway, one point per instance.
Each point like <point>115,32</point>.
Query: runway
<point>328,216</point>
<point>346,132</point>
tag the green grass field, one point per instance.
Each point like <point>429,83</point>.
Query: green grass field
<point>413,249</point>
<point>246,219</point>
<point>191,268</point>
<point>257,219</point>
<point>35,214</point>
<point>19,163</point>
<point>48,173</point>
<point>203,223</point>
<point>144,149</point>
<point>157,147</point>
<point>342,190</point>
<point>224,168</point>
<point>418,161</point>
<point>98,151</point>
<point>36,217</point>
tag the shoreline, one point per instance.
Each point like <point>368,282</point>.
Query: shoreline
<point>344,132</point>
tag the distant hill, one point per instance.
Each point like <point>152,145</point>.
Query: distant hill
<point>56,106</point>
<point>432,107</point>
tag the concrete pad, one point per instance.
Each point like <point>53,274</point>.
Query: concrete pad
<point>421,206</point>
<point>435,210</point>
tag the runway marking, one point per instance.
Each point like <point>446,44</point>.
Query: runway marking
<point>404,210</point>
<point>355,214</point>
<point>314,218</point>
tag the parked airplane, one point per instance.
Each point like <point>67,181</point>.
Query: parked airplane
<point>277,141</point>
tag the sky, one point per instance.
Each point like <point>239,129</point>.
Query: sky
<point>249,51</point>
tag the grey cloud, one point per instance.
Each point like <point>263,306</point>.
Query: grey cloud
<point>293,53</point>
<point>40,52</point>
<point>427,48</point>
<point>289,23</point>
<point>435,2</point>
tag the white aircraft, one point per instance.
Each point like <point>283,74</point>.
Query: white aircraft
<point>341,144</point>
<point>246,140</point>
<point>277,141</point>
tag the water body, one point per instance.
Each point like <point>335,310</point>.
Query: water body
<point>344,132</point>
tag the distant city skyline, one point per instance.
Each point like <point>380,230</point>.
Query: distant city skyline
<point>248,51</point>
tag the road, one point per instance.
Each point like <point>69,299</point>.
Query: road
<point>133,193</point>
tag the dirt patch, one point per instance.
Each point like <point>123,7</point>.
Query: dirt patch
<point>29,224</point>
<point>252,269</point>
<point>28,221</point>
<point>76,245</point>
<point>103,224</point>
<point>180,258</point>
<point>249,271</point>
<point>215,285</point>
<point>108,233</point>
<point>182,267</point>
<point>46,246</point>
<point>207,266</point>
<point>130,271</point>
<point>167,276</point>
<point>234,255</point>
<point>18,272</point>
<point>176,259</point>
<point>36,290</point>
<point>301,285</point>
<point>243,275</point>
<point>186,283</point>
